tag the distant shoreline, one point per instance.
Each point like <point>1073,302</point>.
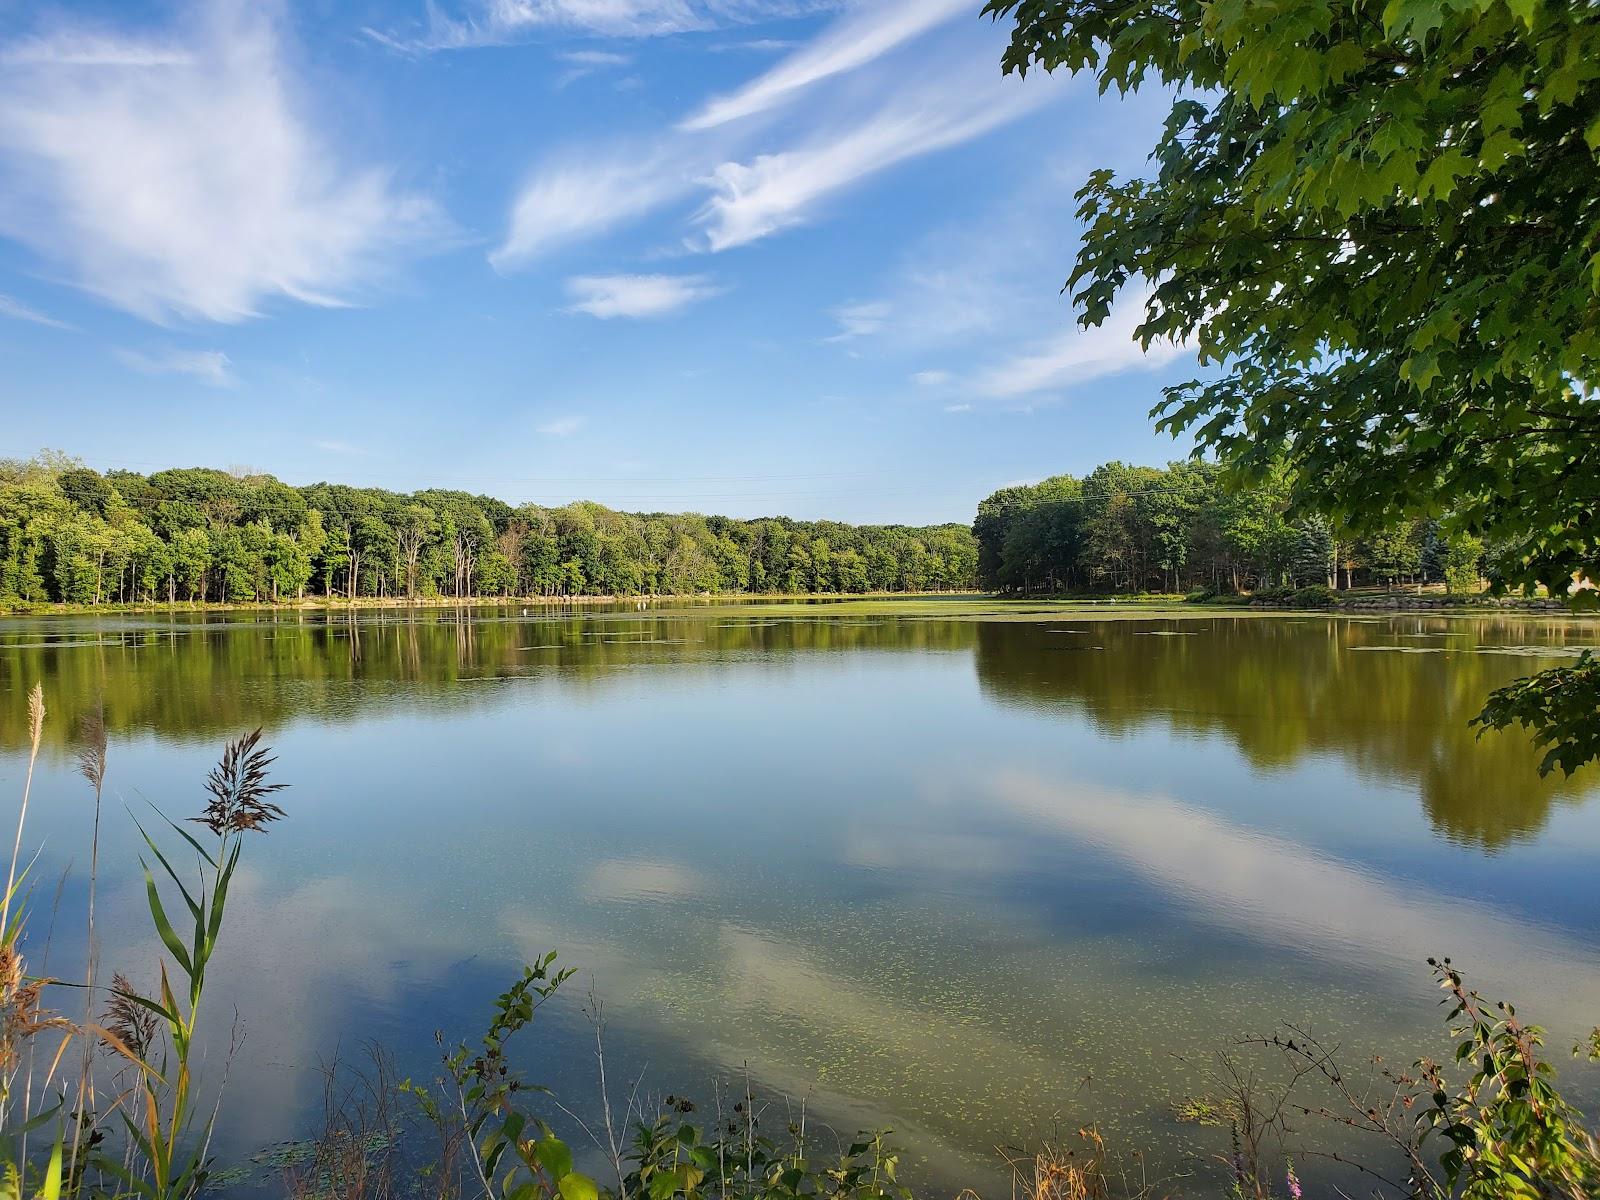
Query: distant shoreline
<point>1394,603</point>
<point>47,608</point>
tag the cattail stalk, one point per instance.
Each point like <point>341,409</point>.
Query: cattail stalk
<point>92,766</point>
<point>35,730</point>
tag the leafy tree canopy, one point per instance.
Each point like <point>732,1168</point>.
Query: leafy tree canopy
<point>1379,225</point>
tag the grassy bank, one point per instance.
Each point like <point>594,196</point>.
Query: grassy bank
<point>390,603</point>
<point>955,605</point>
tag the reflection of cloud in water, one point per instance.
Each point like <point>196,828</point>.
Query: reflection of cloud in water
<point>625,880</point>
<point>933,1071</point>
<point>898,847</point>
<point>293,965</point>
<point>1278,891</point>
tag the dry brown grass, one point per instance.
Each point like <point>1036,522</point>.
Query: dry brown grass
<point>1081,1169</point>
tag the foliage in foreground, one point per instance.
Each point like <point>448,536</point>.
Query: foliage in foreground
<point>133,1127</point>
<point>1488,1125</point>
<point>1559,707</point>
<point>1380,225</point>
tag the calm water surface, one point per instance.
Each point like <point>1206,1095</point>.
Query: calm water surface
<point>974,872</point>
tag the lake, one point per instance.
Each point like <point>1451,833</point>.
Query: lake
<point>979,872</point>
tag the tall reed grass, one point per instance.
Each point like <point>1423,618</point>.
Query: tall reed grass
<point>146,1133</point>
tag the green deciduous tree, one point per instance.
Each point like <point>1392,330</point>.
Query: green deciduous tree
<point>204,535</point>
<point>1462,564</point>
<point>1380,227</point>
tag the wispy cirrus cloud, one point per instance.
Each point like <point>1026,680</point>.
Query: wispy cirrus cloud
<point>211,367</point>
<point>89,48</point>
<point>851,42</point>
<point>957,102</point>
<point>860,320</point>
<point>596,58</point>
<point>583,63</point>
<point>560,427</point>
<point>1079,355</point>
<point>570,199</point>
<point>881,117</point>
<point>183,176</point>
<point>16,310</point>
<point>499,22</point>
<point>931,378</point>
<point>608,296</point>
<point>754,45</point>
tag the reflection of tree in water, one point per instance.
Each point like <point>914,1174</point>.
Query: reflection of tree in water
<point>1279,688</point>
<point>201,679</point>
<point>1393,699</point>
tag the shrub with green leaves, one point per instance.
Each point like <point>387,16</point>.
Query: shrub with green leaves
<point>512,1153</point>
<point>1509,1132</point>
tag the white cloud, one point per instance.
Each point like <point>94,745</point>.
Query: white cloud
<point>587,62</point>
<point>211,367</point>
<point>756,45</point>
<point>185,178</point>
<point>607,296</point>
<point>775,191</point>
<point>872,122</point>
<point>568,201</point>
<point>560,427</point>
<point>497,22</point>
<point>81,48</point>
<point>867,34</point>
<point>958,408</point>
<point>15,309</point>
<point>1079,355</point>
<point>860,320</point>
<point>596,58</point>
<point>931,378</point>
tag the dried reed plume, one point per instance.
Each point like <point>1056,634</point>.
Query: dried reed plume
<point>239,789</point>
<point>36,715</point>
<point>35,730</point>
<point>19,1001</point>
<point>92,766</point>
<point>92,754</point>
<point>130,1022</point>
<point>23,1014</point>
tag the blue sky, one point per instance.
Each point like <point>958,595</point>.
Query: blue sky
<point>739,256</point>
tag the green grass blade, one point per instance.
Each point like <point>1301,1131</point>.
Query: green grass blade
<point>164,926</point>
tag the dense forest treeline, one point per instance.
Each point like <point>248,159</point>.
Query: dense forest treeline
<point>72,535</point>
<point>1177,529</point>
